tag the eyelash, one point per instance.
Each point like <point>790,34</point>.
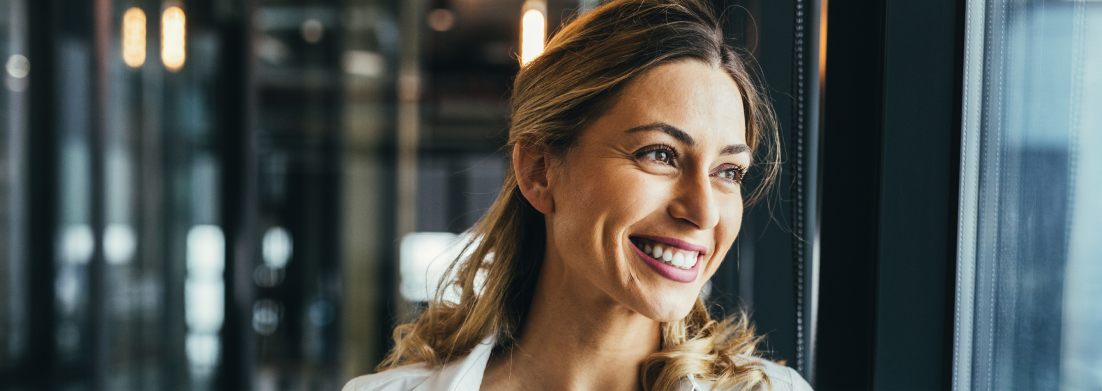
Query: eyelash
<point>658,148</point>
<point>739,171</point>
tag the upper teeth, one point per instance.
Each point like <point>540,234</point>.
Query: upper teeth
<point>672,256</point>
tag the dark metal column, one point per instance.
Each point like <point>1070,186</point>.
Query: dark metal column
<point>238,198</point>
<point>42,198</point>
<point>803,157</point>
<point>97,271</point>
<point>852,118</point>
<point>890,154</point>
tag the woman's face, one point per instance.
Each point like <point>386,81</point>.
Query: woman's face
<point>649,200</point>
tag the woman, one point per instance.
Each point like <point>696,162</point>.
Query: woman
<point>630,137</point>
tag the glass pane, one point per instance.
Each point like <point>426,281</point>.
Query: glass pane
<point>296,270</point>
<point>1028,313</point>
<point>13,117</point>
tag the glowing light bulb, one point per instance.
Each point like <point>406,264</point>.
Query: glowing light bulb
<point>133,37</point>
<point>173,34</point>
<point>533,29</point>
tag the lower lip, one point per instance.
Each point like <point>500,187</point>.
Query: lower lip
<point>669,271</point>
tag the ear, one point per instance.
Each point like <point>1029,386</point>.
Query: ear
<point>530,165</point>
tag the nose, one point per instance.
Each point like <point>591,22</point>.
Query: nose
<point>694,201</point>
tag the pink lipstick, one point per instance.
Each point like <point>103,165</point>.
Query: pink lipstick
<point>666,269</point>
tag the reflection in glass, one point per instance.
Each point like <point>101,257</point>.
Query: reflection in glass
<point>276,247</point>
<point>133,37</point>
<point>173,38</point>
<point>533,29</point>
<point>424,257</point>
<point>266,316</point>
<point>204,294</point>
<point>119,243</point>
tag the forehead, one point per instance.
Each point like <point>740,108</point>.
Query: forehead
<point>696,97</point>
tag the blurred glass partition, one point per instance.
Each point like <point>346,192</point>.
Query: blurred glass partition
<point>300,92</point>
<point>75,236</point>
<point>163,282</point>
<point>368,63</point>
<point>14,309</point>
<point>1028,314</point>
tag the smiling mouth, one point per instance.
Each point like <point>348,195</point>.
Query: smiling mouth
<point>667,254</point>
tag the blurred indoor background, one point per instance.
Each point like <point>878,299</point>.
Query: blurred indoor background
<point>251,194</point>
<point>240,193</point>
<point>250,168</point>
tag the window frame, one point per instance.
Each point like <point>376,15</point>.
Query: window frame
<point>890,180</point>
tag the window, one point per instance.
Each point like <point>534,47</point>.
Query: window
<point>1028,314</point>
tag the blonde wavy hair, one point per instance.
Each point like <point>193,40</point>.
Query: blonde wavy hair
<point>555,96</point>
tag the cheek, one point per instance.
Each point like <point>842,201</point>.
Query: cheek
<point>598,203</point>
<point>730,215</point>
<point>613,193</point>
<point>730,223</point>
<point>732,220</point>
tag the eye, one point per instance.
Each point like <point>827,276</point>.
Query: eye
<point>732,173</point>
<point>659,153</point>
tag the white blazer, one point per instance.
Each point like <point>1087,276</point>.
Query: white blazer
<point>465,374</point>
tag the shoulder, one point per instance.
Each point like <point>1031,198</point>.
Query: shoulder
<point>783,378</point>
<point>402,378</point>
<point>463,373</point>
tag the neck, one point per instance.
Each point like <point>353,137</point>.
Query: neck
<point>575,337</point>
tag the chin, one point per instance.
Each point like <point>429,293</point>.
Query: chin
<point>669,310</point>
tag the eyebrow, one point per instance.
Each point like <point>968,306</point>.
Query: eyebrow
<point>685,138</point>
